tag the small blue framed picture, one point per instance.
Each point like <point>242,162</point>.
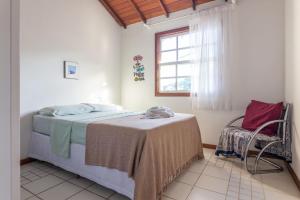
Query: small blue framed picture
<point>71,70</point>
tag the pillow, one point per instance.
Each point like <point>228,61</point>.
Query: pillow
<point>104,107</point>
<point>258,113</point>
<point>66,110</point>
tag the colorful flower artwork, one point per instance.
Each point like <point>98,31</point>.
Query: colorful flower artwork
<point>138,68</point>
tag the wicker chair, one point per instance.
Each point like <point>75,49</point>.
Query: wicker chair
<point>277,146</point>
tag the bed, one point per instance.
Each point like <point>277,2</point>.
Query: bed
<point>75,152</point>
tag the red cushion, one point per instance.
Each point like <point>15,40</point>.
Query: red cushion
<point>258,113</point>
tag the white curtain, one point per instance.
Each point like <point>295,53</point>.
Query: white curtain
<point>210,37</point>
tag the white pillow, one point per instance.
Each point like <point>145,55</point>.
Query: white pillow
<point>66,110</point>
<point>104,107</point>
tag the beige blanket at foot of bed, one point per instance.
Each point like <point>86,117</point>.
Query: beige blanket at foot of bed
<point>152,151</point>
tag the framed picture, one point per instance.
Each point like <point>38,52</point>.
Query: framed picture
<point>71,70</point>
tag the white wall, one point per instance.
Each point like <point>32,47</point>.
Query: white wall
<point>5,159</point>
<point>9,95</point>
<point>259,70</point>
<point>292,81</point>
<point>53,31</point>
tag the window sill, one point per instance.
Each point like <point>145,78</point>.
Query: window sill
<point>168,94</point>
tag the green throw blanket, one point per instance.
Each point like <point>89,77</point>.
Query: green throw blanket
<point>73,130</point>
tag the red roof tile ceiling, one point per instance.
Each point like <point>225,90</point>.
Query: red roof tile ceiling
<point>127,12</point>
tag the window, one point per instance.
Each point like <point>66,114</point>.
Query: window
<point>173,63</point>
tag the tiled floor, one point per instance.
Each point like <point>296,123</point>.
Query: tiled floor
<point>209,179</point>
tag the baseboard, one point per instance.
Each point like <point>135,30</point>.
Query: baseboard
<point>26,161</point>
<point>209,146</point>
<point>294,175</point>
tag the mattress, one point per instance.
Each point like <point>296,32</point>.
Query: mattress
<point>119,181</point>
<point>46,124</point>
<point>42,124</point>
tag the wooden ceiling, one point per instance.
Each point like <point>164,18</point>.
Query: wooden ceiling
<point>127,12</point>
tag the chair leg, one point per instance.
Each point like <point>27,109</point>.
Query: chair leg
<point>246,152</point>
<point>258,157</point>
<point>277,168</point>
<point>246,156</point>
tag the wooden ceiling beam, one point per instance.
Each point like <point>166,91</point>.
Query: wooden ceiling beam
<point>194,4</point>
<point>164,8</point>
<point>139,12</point>
<point>113,13</point>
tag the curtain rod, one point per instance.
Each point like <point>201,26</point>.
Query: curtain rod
<point>188,15</point>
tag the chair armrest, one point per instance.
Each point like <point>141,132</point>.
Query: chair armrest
<point>267,124</point>
<point>234,120</point>
<point>262,127</point>
<point>254,134</point>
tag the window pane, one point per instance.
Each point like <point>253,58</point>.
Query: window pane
<point>184,84</point>
<point>169,56</point>
<point>168,71</point>
<point>168,85</point>
<point>184,70</point>
<point>184,54</point>
<point>168,43</point>
<point>183,41</point>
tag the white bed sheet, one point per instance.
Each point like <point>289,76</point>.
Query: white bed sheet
<point>42,124</point>
<point>116,180</point>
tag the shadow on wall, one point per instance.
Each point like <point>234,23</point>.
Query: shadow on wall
<point>26,129</point>
<point>295,144</point>
<point>295,132</point>
<point>295,147</point>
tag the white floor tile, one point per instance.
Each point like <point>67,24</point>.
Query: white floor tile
<point>25,173</point>
<point>212,161</point>
<point>178,191</point>
<point>245,197</point>
<point>36,164</point>
<point>86,195</point>
<point>197,167</point>
<point>245,191</point>
<point>82,182</point>
<point>24,181</point>
<point>207,179</point>
<point>40,173</point>
<point>49,170</point>
<point>202,194</point>
<point>118,197</point>
<point>217,172</point>
<point>188,177</point>
<point>272,193</point>
<point>231,198</point>
<point>32,177</point>
<point>25,194</point>
<point>208,153</point>
<point>26,168</point>
<point>33,198</point>
<point>64,175</point>
<point>165,198</point>
<point>43,184</point>
<point>213,184</point>
<point>220,163</point>
<point>99,190</point>
<point>281,182</point>
<point>60,192</point>
<point>228,164</point>
<point>232,194</point>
